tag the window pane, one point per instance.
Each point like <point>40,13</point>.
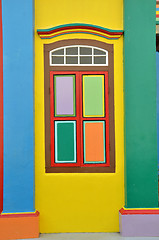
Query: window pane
<point>99,52</point>
<point>93,96</point>
<point>94,141</point>
<point>85,51</point>
<point>58,52</point>
<point>71,60</point>
<point>72,51</point>
<point>64,95</point>
<point>86,60</point>
<point>99,60</point>
<point>65,141</point>
<point>57,60</point>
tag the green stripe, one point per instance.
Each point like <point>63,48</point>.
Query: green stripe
<point>141,190</point>
<point>77,24</point>
<point>93,98</point>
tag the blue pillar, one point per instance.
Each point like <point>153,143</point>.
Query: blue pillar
<point>18,47</point>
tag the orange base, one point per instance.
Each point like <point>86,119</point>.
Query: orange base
<point>19,226</point>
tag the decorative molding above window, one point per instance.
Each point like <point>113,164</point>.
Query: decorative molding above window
<point>74,28</point>
<point>79,55</point>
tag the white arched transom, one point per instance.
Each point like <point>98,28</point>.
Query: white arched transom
<point>78,55</point>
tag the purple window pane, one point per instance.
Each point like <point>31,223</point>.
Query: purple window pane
<point>64,95</point>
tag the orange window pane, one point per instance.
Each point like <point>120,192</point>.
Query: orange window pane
<point>94,142</point>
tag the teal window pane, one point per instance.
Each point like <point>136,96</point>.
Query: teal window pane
<point>65,142</point>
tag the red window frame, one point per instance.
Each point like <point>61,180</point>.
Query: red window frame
<point>79,118</point>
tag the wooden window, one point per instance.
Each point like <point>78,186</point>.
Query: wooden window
<point>79,108</point>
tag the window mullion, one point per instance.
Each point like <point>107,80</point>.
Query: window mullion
<point>64,55</point>
<point>78,55</point>
<point>93,56</point>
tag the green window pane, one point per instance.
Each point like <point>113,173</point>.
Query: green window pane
<point>65,141</point>
<point>93,96</point>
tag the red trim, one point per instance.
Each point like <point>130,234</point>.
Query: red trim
<point>79,27</point>
<point>79,119</point>
<point>107,119</point>
<point>97,119</point>
<point>78,135</point>
<point>53,118</point>
<point>1,111</point>
<point>17,215</point>
<point>138,211</point>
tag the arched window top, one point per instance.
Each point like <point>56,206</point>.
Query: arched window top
<point>82,55</point>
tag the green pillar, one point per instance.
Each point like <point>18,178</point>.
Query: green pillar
<point>141,188</point>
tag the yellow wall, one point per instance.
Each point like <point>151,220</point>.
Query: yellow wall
<point>78,202</point>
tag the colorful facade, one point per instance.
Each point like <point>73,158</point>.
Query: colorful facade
<point>79,126</point>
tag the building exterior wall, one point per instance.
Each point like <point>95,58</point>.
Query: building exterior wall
<point>78,202</point>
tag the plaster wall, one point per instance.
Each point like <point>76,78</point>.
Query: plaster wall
<point>78,202</point>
